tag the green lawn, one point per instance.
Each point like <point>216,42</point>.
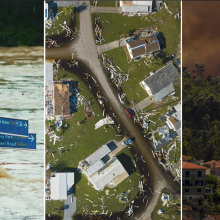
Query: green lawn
<point>56,25</point>
<point>104,3</point>
<point>119,24</point>
<point>52,204</point>
<point>168,211</point>
<point>137,71</point>
<point>81,141</point>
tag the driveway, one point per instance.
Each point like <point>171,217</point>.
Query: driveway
<point>112,45</point>
<point>96,9</point>
<point>70,207</point>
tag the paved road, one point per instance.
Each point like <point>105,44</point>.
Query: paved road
<point>105,9</point>
<point>85,50</point>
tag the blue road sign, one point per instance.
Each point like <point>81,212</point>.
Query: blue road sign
<point>11,141</point>
<point>14,126</point>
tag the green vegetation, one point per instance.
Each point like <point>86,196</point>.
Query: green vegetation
<point>212,181</point>
<point>53,31</point>
<point>165,23</point>
<point>173,209</point>
<point>201,118</point>
<point>211,203</point>
<point>80,141</point>
<point>104,3</point>
<point>21,23</point>
<point>69,9</point>
<point>55,207</point>
<point>137,71</point>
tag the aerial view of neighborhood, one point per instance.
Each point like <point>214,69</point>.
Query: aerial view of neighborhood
<point>112,110</point>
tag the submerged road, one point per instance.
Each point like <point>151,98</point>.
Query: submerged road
<point>84,49</point>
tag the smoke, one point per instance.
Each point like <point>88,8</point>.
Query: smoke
<point>201,21</point>
<point>4,174</point>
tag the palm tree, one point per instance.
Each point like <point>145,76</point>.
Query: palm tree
<point>68,10</point>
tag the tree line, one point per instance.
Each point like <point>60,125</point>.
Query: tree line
<point>22,23</point>
<point>201,114</point>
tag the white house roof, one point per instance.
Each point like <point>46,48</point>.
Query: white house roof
<point>97,155</point>
<point>103,178</point>
<point>49,74</point>
<point>142,2</point>
<point>94,167</point>
<point>60,184</point>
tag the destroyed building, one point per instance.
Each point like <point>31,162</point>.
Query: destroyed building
<point>61,99</point>
<point>101,169</point>
<point>173,119</point>
<point>142,46</point>
<point>160,84</point>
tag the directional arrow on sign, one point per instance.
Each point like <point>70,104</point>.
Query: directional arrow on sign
<point>25,125</point>
<point>32,138</point>
<point>13,141</point>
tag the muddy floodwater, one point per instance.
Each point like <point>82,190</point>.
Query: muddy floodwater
<point>22,97</point>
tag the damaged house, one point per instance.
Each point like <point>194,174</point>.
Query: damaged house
<point>139,48</point>
<point>61,99</point>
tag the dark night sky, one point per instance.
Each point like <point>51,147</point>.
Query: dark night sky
<point>201,35</point>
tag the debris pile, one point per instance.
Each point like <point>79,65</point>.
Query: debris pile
<point>144,120</point>
<point>104,121</point>
<point>49,103</point>
<point>53,136</point>
<point>98,31</point>
<point>164,158</point>
<point>52,43</point>
<point>69,31</point>
<point>117,78</point>
<point>95,2</point>
<point>73,63</point>
<point>165,198</point>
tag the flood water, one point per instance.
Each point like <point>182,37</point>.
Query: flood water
<point>22,97</point>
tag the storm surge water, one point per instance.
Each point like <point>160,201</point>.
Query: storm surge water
<point>22,97</point>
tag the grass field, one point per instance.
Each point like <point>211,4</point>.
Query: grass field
<point>137,71</point>
<point>80,141</point>
<point>170,211</point>
<point>118,24</point>
<point>52,204</point>
<point>104,3</point>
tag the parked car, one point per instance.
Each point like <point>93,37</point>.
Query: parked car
<point>129,112</point>
<point>128,141</point>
